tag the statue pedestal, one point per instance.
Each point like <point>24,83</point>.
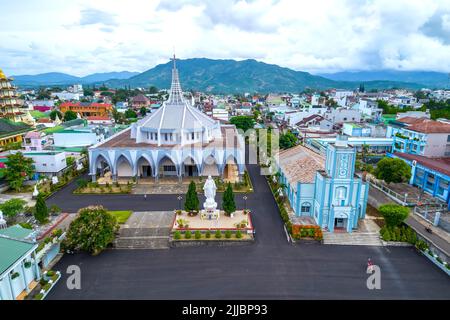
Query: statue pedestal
<point>210,214</point>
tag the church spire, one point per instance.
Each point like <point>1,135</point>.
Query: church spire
<point>176,94</point>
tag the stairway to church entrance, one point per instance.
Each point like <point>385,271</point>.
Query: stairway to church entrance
<point>145,230</point>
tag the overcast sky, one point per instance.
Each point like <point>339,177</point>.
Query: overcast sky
<point>85,36</point>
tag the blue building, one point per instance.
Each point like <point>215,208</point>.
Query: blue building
<point>430,174</point>
<point>324,188</point>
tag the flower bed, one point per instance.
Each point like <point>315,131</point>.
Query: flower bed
<point>95,188</point>
<point>423,247</point>
<point>48,281</point>
<point>307,232</point>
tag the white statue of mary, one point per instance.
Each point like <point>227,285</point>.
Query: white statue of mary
<point>210,193</point>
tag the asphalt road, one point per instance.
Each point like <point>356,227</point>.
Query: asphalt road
<point>269,269</point>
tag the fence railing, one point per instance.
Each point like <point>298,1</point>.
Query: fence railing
<point>403,199</point>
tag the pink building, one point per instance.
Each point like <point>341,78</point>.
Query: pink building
<point>33,141</point>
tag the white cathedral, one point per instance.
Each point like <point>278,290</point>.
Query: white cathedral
<point>177,140</point>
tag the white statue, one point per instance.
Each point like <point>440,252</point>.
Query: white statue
<point>55,180</point>
<point>79,165</point>
<point>36,191</point>
<point>210,188</point>
<point>210,193</point>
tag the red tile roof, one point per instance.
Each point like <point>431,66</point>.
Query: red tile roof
<point>98,118</point>
<point>441,165</point>
<point>425,125</point>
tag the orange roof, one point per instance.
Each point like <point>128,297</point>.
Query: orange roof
<point>425,125</point>
<point>45,120</point>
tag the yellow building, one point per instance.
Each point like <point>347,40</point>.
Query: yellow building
<point>12,132</point>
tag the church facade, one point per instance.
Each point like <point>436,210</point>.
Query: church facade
<point>177,140</point>
<point>324,188</point>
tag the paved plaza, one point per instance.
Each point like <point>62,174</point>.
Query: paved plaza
<point>271,268</point>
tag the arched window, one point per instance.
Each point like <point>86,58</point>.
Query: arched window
<point>341,195</point>
<point>305,208</point>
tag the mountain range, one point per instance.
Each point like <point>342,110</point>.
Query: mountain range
<point>231,76</point>
<point>58,78</point>
<point>426,78</point>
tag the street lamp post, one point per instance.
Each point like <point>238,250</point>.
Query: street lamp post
<point>179,200</point>
<point>245,202</point>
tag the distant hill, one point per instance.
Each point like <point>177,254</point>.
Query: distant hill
<point>231,76</point>
<point>426,78</point>
<point>57,78</point>
<point>217,76</point>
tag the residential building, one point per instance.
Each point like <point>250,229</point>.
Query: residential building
<point>414,114</point>
<point>19,270</point>
<point>324,188</point>
<point>341,115</point>
<point>356,130</point>
<point>375,145</point>
<point>420,136</point>
<point>140,101</point>
<point>87,109</point>
<point>67,96</point>
<point>315,122</point>
<point>12,132</point>
<point>49,163</point>
<point>34,141</point>
<point>432,175</point>
<point>43,105</point>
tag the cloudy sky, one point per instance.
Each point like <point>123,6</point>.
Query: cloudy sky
<point>85,36</point>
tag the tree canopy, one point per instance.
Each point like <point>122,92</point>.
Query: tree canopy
<point>92,231</point>
<point>243,122</point>
<point>70,115</point>
<point>228,203</point>
<point>53,114</point>
<point>12,207</point>
<point>393,170</point>
<point>393,214</point>
<point>129,113</point>
<point>41,210</point>
<point>288,140</point>
<point>191,203</point>
<point>18,169</point>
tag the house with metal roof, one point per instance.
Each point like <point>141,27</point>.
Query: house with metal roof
<point>19,270</point>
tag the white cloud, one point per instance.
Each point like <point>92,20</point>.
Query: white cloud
<point>81,36</point>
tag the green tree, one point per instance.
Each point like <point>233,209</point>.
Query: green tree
<point>191,203</point>
<point>143,111</point>
<point>92,231</point>
<point>228,203</point>
<point>70,115</point>
<point>53,114</point>
<point>129,113</point>
<point>393,214</point>
<point>41,210</point>
<point>287,140</point>
<point>243,122</point>
<point>12,207</point>
<point>18,168</point>
<point>88,92</point>
<point>153,90</point>
<point>393,170</point>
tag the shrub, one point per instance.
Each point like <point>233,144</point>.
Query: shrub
<point>47,287</point>
<point>218,234</point>
<point>238,234</point>
<point>393,214</point>
<point>187,235</point>
<point>27,264</point>
<point>15,275</point>
<point>177,235</point>
<point>439,260</point>
<point>39,296</point>
<point>198,234</point>
<point>92,231</point>
<point>208,234</point>
<point>26,225</point>
<point>43,282</point>
<point>421,245</point>
<point>50,273</point>
<point>228,234</point>
<point>57,233</point>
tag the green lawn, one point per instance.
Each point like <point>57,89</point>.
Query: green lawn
<point>121,216</point>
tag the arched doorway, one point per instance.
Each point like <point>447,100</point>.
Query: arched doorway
<point>231,170</point>
<point>123,167</point>
<point>210,167</point>
<point>167,168</point>
<point>144,168</point>
<point>101,165</point>
<point>189,167</point>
